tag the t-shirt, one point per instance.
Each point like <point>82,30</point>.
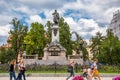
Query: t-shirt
<point>89,72</point>
<point>95,65</point>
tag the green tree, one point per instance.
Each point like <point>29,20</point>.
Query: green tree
<point>49,31</point>
<point>18,33</point>
<point>2,55</point>
<point>6,55</point>
<point>35,39</point>
<point>110,49</point>
<point>96,42</point>
<point>65,35</point>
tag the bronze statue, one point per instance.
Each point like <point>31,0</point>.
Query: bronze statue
<point>55,17</point>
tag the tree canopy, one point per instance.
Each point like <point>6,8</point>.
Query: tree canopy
<point>35,39</point>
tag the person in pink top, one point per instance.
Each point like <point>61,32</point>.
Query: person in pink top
<point>116,78</point>
<point>89,73</point>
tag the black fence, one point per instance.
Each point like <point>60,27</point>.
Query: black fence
<point>56,68</point>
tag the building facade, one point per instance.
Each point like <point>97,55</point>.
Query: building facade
<point>115,24</point>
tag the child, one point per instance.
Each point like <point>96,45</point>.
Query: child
<point>89,73</point>
<point>84,71</point>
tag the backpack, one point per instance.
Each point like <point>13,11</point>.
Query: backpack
<point>69,68</point>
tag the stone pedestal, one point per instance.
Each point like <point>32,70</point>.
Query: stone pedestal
<point>54,53</point>
<point>55,33</point>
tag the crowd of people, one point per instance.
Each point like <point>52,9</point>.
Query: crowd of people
<point>89,72</point>
<point>21,69</point>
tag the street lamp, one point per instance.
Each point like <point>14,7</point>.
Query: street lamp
<point>24,52</point>
<point>81,44</point>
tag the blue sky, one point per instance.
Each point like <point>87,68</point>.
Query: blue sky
<point>86,17</point>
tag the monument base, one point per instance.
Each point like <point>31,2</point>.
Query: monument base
<point>54,53</point>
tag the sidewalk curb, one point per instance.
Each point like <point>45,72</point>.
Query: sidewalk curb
<point>54,75</point>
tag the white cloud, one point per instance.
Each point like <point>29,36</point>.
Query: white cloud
<point>73,25</point>
<point>26,10</point>
<point>98,12</point>
<point>101,11</point>
<point>74,5</point>
<point>85,27</point>
<point>5,19</point>
<point>34,18</point>
<point>4,30</point>
<point>90,26</point>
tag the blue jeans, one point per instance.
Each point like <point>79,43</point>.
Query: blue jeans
<point>23,73</point>
<point>19,76</point>
<point>12,74</point>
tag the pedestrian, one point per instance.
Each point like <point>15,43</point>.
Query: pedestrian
<point>77,77</point>
<point>95,72</point>
<point>84,71</point>
<point>116,78</point>
<point>89,73</point>
<point>23,69</point>
<point>19,77</point>
<point>71,69</point>
<point>12,69</point>
<point>76,67</point>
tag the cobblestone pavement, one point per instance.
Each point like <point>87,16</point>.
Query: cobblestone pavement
<point>51,78</point>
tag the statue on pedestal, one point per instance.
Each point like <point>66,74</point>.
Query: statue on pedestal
<point>55,17</point>
<point>55,51</point>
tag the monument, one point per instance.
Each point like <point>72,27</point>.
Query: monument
<point>55,51</point>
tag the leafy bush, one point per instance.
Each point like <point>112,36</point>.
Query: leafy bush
<point>6,55</point>
<point>4,68</point>
<point>110,69</point>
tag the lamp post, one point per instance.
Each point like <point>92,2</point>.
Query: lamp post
<point>24,52</point>
<point>81,45</point>
<point>80,50</point>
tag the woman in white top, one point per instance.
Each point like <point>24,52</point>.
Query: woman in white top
<point>89,73</point>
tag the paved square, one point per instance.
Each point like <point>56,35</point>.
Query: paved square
<point>51,78</point>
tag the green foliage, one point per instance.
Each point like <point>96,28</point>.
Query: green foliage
<point>85,53</point>
<point>96,43</point>
<point>65,36</point>
<point>4,68</point>
<point>35,39</point>
<point>17,32</point>
<point>49,31</point>
<point>109,69</point>
<point>6,55</point>
<point>110,49</point>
